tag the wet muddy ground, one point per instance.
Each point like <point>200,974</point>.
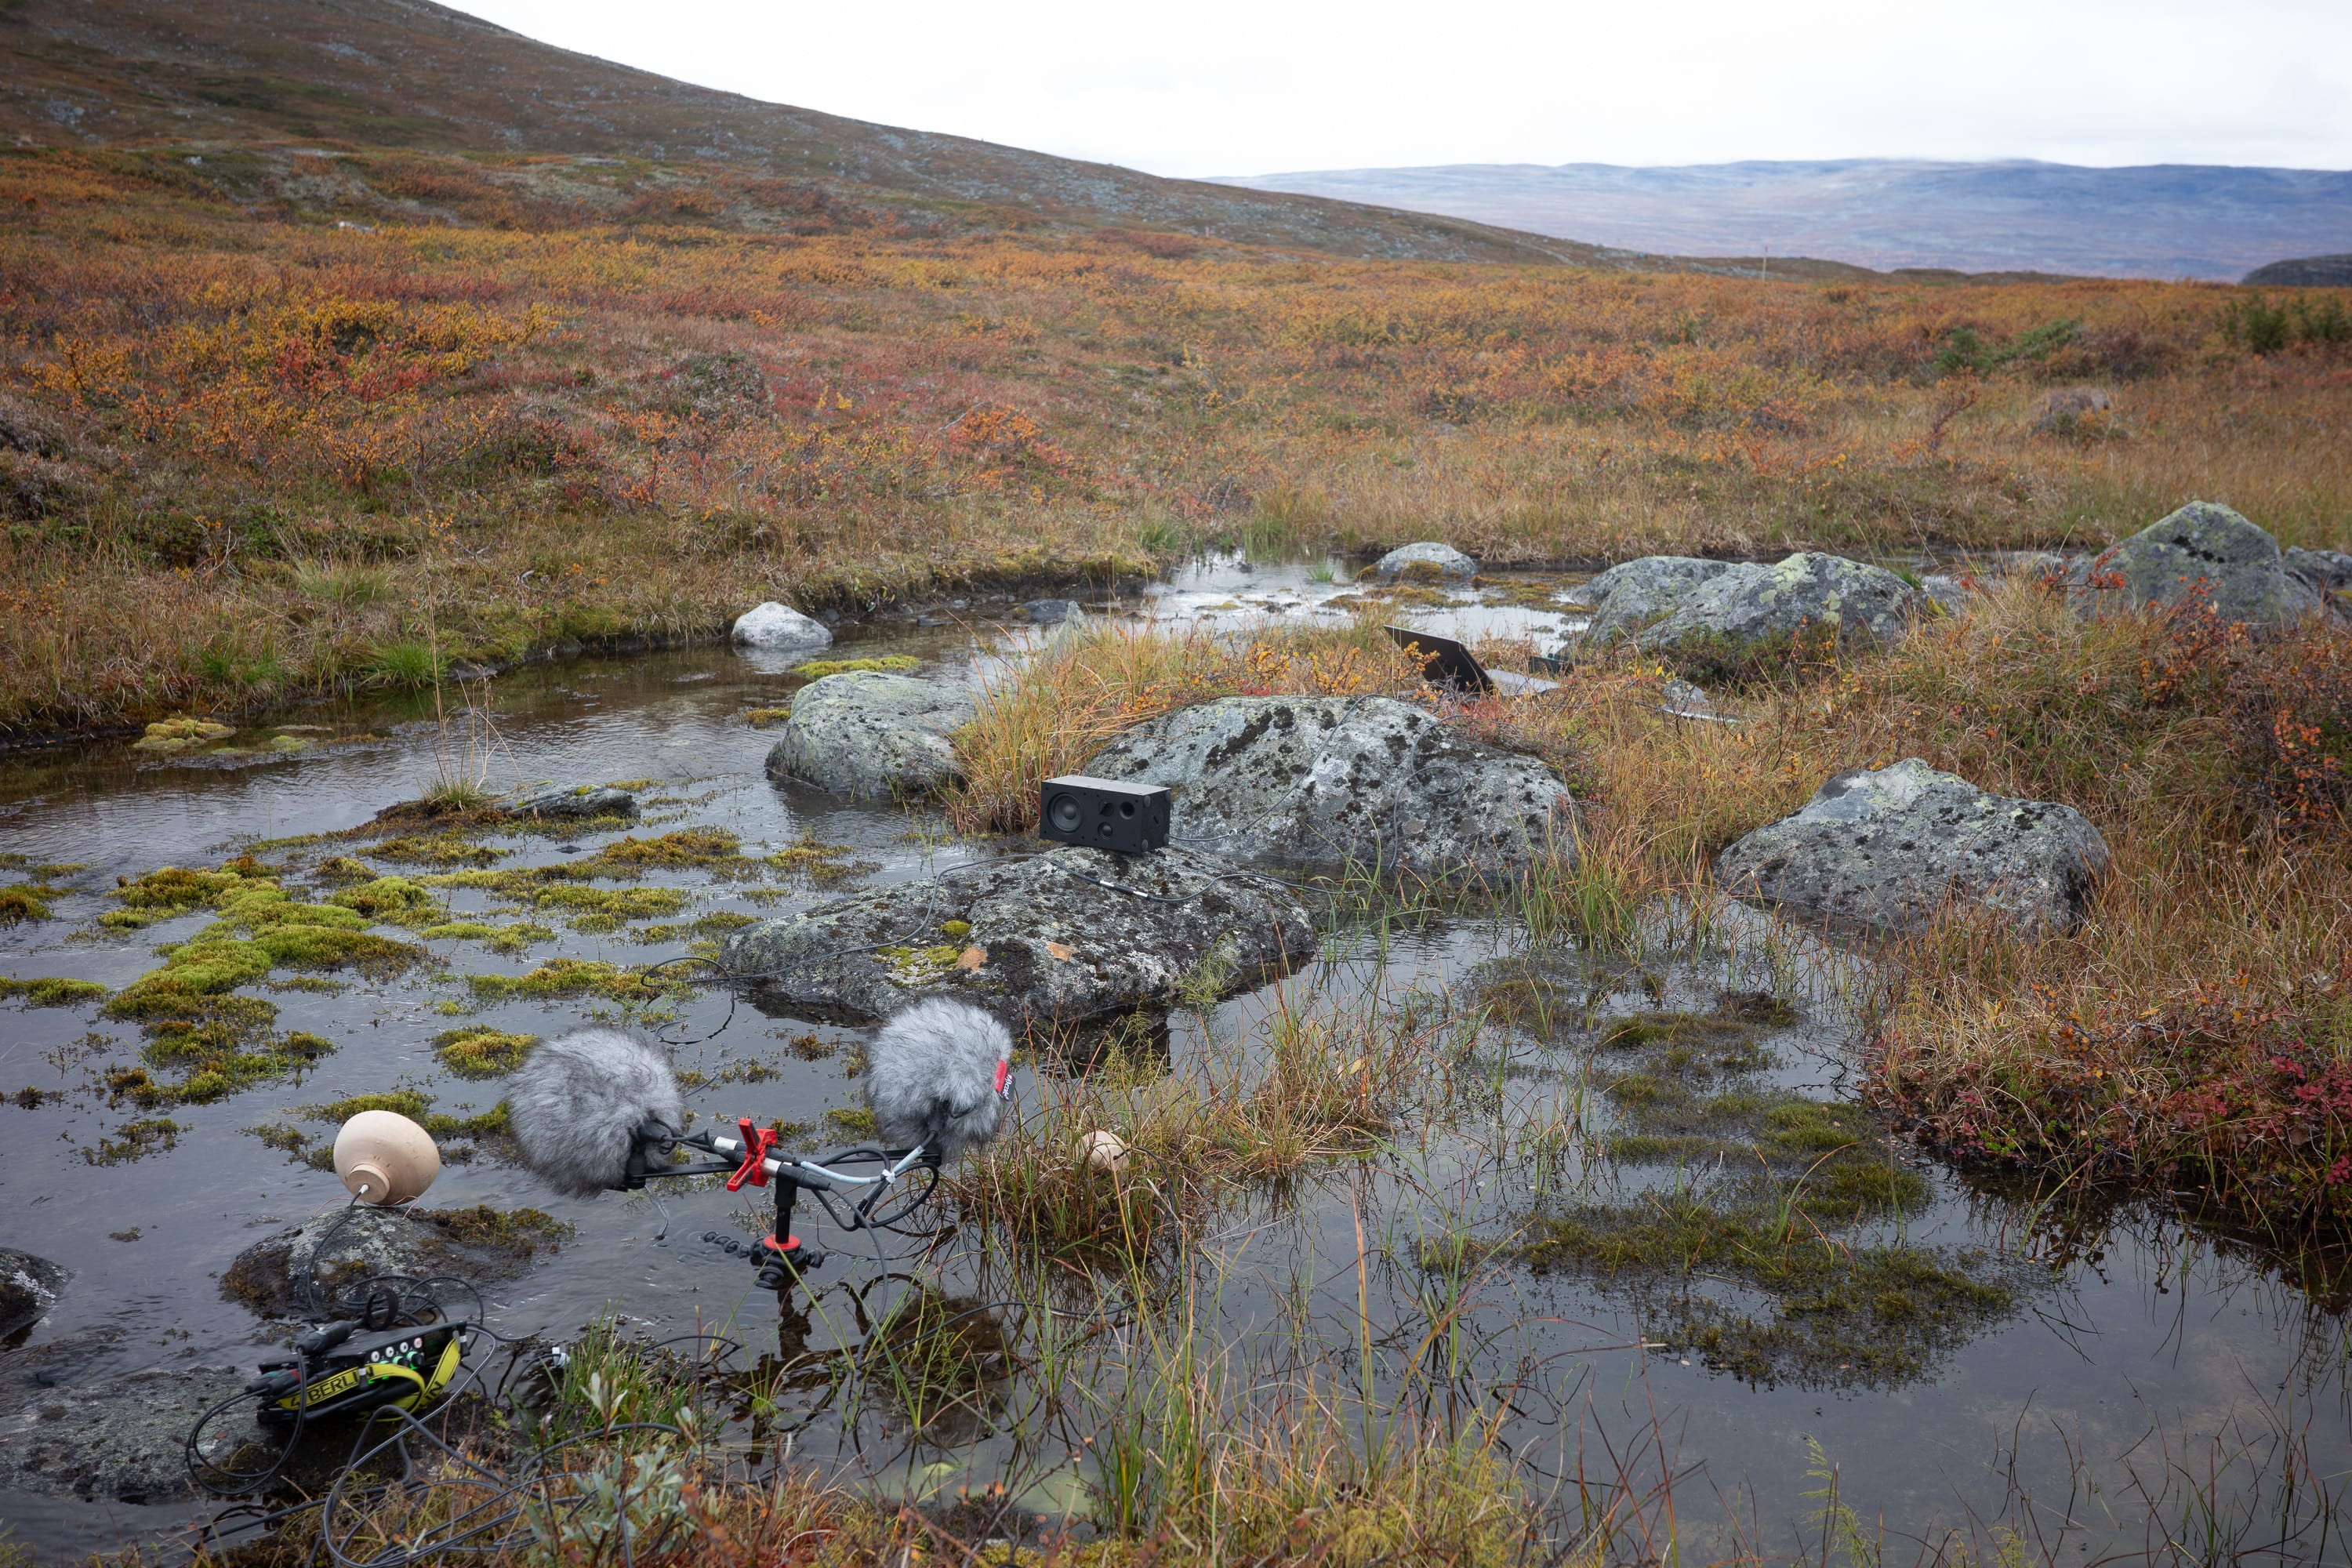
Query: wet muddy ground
<point>1575,1226</point>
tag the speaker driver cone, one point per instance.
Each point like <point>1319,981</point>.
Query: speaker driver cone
<point>1064,812</point>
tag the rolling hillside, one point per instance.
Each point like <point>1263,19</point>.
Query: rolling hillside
<point>366,74</point>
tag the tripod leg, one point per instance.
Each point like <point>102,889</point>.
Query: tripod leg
<point>783,1253</point>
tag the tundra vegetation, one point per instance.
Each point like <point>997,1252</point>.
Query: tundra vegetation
<point>316,457</point>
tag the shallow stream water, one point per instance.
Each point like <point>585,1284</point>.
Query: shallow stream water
<point>2142,1381</point>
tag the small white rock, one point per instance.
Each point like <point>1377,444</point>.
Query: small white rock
<point>780,628</point>
<point>1429,555</point>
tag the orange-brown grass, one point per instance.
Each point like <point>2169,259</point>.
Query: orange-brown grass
<point>303,452</point>
<point>2199,1026</point>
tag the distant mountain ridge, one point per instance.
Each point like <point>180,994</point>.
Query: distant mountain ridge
<point>2165,220</point>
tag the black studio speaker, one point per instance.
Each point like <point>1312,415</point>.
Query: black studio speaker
<point>1107,813</point>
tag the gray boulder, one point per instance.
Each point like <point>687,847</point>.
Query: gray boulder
<point>575,803</point>
<point>298,1272</point>
<point>1051,938</point>
<point>2324,570</point>
<point>2202,549</point>
<point>870,733</point>
<point>1427,559</point>
<point>1335,781</point>
<point>1632,594</point>
<point>779,628</point>
<point>1807,596</point>
<point>1887,848</point>
<point>28,1289</point>
<point>1051,612</point>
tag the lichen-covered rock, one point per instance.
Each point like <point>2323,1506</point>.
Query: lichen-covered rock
<point>869,733</point>
<point>1053,937</point>
<point>28,1289</point>
<point>1808,596</point>
<point>563,803</point>
<point>2326,573</point>
<point>779,628</point>
<point>1887,849</point>
<point>297,1272</point>
<point>1051,612</point>
<point>2204,551</point>
<point>1342,781</point>
<point>1632,594</point>
<point>1427,559</point>
<point>2322,569</point>
<point>117,1436</point>
<point>1950,593</point>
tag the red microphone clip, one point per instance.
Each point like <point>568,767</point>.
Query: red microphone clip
<point>757,1142</point>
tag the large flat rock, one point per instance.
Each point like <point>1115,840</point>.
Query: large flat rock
<point>869,733</point>
<point>1336,781</point>
<point>1887,849</point>
<point>1044,939</point>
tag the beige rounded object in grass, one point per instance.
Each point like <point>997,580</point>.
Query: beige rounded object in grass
<point>385,1158</point>
<point>1104,1150</point>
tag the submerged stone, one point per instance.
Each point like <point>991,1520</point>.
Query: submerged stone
<point>1367,781</point>
<point>1887,848</point>
<point>579,801</point>
<point>1427,559</point>
<point>780,628</point>
<point>2200,553</point>
<point>117,1438</point>
<point>1053,937</point>
<point>28,1289</point>
<point>870,733</point>
<point>1052,612</point>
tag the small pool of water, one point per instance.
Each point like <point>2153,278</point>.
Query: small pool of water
<point>2139,1376</point>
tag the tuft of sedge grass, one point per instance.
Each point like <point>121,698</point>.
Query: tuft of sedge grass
<point>1309,1086</point>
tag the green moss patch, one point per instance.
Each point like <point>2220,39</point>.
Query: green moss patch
<point>481,1053</point>
<point>564,977</point>
<point>134,1140</point>
<point>818,668</point>
<point>53,992</point>
<point>165,892</point>
<point>417,1108</point>
<point>389,900</point>
<point>438,849</point>
<point>852,1121</point>
<point>822,864</point>
<point>26,901</point>
<point>511,938</point>
<point>1840,1313</point>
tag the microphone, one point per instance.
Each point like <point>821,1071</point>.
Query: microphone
<point>579,1104</point>
<point>935,1075</point>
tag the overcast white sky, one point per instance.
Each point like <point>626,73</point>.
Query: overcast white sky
<point>1245,87</point>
